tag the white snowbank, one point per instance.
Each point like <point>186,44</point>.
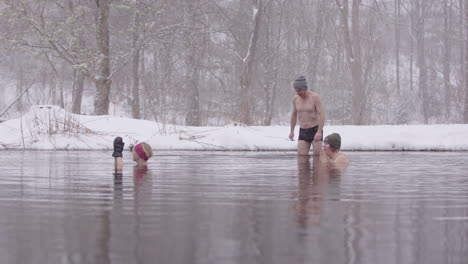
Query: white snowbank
<point>50,127</point>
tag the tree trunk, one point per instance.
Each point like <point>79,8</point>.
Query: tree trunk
<point>418,26</point>
<point>271,63</point>
<point>465,111</point>
<point>397,44</point>
<point>359,105</point>
<point>135,64</point>
<point>447,57</point>
<point>103,83</point>
<point>314,43</point>
<point>195,45</point>
<point>77,93</point>
<point>52,91</point>
<point>165,81</point>
<point>421,57</point>
<point>61,96</point>
<point>411,63</point>
<point>353,54</point>
<point>144,85</point>
<point>19,87</point>
<point>462,40</point>
<point>157,89</point>
<point>192,118</point>
<point>246,80</point>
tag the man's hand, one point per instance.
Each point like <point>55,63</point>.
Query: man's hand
<point>118,147</point>
<point>318,136</point>
<point>291,136</point>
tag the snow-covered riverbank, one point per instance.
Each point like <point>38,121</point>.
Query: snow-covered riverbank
<point>50,127</point>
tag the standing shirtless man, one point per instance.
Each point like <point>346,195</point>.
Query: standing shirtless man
<point>309,110</point>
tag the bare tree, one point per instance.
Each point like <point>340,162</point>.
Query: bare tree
<point>77,91</point>
<point>271,57</point>
<point>79,74</point>
<point>354,58</point>
<point>20,86</point>
<point>465,108</point>
<point>447,56</point>
<point>232,66</point>
<point>397,15</point>
<point>58,35</point>
<point>246,79</point>
<point>315,41</point>
<point>103,81</point>
<point>193,32</point>
<point>462,46</point>
<point>417,18</point>
<point>135,61</point>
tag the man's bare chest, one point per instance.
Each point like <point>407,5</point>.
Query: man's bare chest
<point>305,105</point>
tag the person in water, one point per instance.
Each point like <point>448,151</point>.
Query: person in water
<point>142,152</point>
<point>331,153</point>
<point>142,178</point>
<point>308,110</point>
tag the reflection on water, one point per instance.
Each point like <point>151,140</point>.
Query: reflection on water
<point>314,183</point>
<point>233,207</point>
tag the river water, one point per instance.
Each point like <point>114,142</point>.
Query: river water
<point>233,207</point>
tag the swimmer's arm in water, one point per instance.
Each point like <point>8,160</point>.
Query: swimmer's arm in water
<point>118,164</point>
<point>117,154</point>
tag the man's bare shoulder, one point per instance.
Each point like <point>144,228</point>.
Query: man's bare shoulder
<point>314,95</point>
<point>295,97</point>
<point>342,160</point>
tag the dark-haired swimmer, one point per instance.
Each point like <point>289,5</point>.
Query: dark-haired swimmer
<point>331,153</point>
<point>308,109</point>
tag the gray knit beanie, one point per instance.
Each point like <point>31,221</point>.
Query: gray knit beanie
<point>334,140</point>
<point>300,83</point>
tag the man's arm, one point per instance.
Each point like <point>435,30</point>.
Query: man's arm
<point>293,120</point>
<point>321,117</point>
<point>118,164</point>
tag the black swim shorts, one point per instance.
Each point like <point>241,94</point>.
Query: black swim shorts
<point>308,134</point>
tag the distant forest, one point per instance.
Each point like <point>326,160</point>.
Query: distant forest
<point>216,62</point>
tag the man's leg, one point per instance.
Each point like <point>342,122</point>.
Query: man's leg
<point>317,147</point>
<point>303,147</point>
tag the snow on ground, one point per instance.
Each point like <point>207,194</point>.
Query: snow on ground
<point>50,127</point>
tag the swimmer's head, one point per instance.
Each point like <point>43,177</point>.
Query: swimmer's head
<point>143,151</point>
<point>334,140</point>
